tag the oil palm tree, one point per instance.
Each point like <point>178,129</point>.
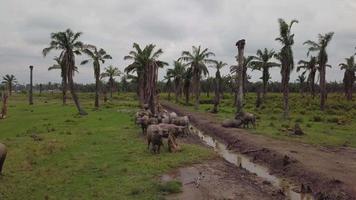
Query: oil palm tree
<point>177,74</point>
<point>96,56</point>
<point>68,43</point>
<point>145,62</point>
<point>239,76</point>
<point>285,56</point>
<point>197,60</point>
<point>320,47</point>
<point>228,85</point>
<point>312,67</point>
<point>349,76</point>
<point>111,72</point>
<point>207,85</point>
<point>218,65</point>
<point>187,77</point>
<point>168,85</point>
<point>151,76</point>
<point>301,80</point>
<point>246,65</point>
<point>133,80</point>
<point>9,81</point>
<point>124,83</point>
<point>60,66</point>
<point>262,63</point>
<point>138,66</point>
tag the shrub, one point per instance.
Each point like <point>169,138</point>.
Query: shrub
<point>331,112</point>
<point>273,118</point>
<point>299,120</point>
<point>333,120</point>
<point>317,118</point>
<point>206,101</point>
<point>170,187</point>
<point>277,111</point>
<point>285,125</point>
<point>344,120</point>
<point>136,191</point>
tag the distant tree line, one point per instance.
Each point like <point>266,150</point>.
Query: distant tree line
<point>207,87</point>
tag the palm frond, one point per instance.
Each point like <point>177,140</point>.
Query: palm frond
<point>54,67</point>
<point>84,62</point>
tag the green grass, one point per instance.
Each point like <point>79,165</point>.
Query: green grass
<point>99,156</point>
<point>335,126</point>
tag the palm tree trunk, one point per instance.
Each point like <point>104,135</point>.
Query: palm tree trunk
<point>10,88</point>
<point>322,88</point>
<point>244,78</point>
<point>285,81</point>
<point>264,90</point>
<point>151,85</point>
<point>217,97</point>
<point>352,80</point>
<point>40,89</point>
<point>348,84</point>
<point>186,92</point>
<point>265,78</point>
<point>197,91</point>
<point>64,86</point>
<point>312,84</point>
<point>64,91</point>
<point>97,81</point>
<point>74,95</point>
<point>350,93</point>
<point>31,85</point>
<point>141,89</point>
<point>301,90</point>
<point>176,90</point>
<point>240,46</point>
<point>111,87</point>
<point>168,88</point>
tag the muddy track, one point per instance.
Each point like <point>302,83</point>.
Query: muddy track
<point>220,180</point>
<point>329,172</point>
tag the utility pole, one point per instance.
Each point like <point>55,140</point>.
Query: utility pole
<point>239,76</point>
<point>31,83</point>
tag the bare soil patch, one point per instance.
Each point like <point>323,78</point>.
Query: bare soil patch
<point>329,172</point>
<point>217,179</point>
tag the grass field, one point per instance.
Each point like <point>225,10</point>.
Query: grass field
<point>53,153</point>
<point>335,126</point>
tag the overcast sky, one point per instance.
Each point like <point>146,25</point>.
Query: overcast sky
<point>173,25</point>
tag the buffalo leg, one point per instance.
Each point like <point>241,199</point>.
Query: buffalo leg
<point>2,160</point>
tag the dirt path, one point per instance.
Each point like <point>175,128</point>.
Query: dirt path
<point>217,179</point>
<point>329,172</point>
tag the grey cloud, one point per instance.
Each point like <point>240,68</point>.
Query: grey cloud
<point>173,25</point>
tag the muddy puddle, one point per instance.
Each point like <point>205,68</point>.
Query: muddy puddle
<point>242,161</point>
<point>216,179</point>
